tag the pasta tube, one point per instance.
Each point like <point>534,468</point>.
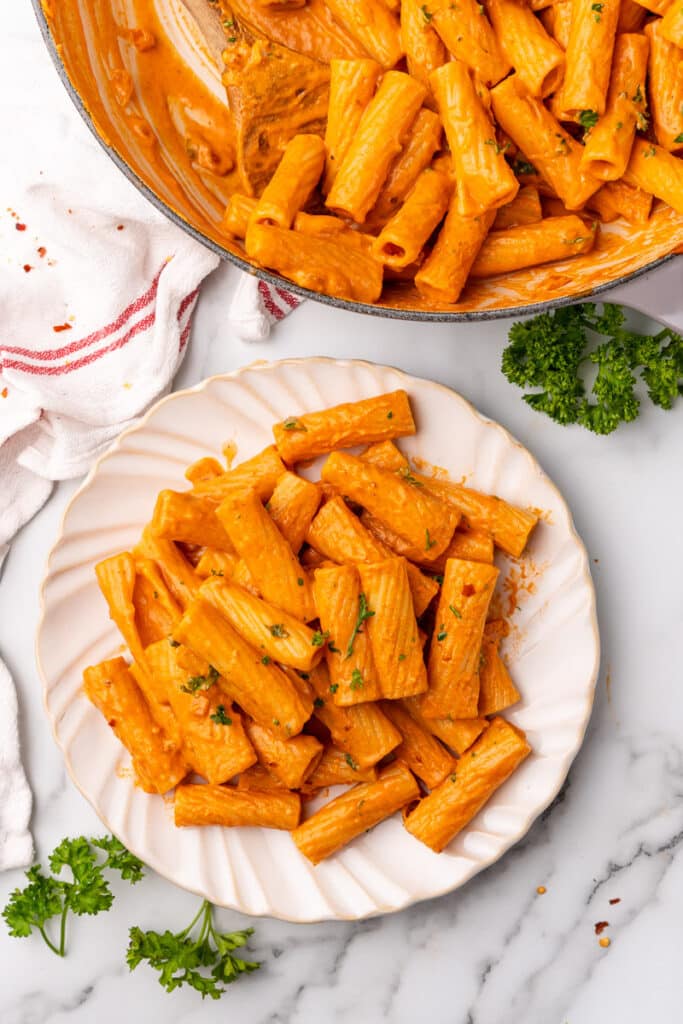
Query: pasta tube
<point>354,812</point>
<point>496,689</point>
<point>228,806</point>
<point>422,46</point>
<point>464,601</point>
<point>263,691</point>
<point>339,535</point>
<point>180,577</point>
<point>555,238</point>
<point>617,199</point>
<point>392,628</point>
<point>588,58</point>
<point>469,37</point>
<point>188,518</point>
<point>484,181</point>
<point>439,817</point>
<point>423,142</point>
<point>401,240</point>
<point>290,761</point>
<point>372,25</point>
<point>114,692</point>
<point>207,467</point>
<point>216,563</point>
<point>292,506</point>
<point>608,145</point>
<point>409,511</point>
<point>671,25</point>
<point>116,577</point>
<point>320,263</point>
<point>386,455</point>
<point>419,750</point>
<point>382,131</point>
<point>279,636</point>
<point>303,437</point>
<point>214,739</point>
<point>470,545</point>
<point>362,731</point>
<point>237,215</point>
<point>341,606</point>
<point>259,778</point>
<point>552,151</point>
<point>537,59</point>
<point>156,610</point>
<point>261,472</point>
<point>655,170</point>
<point>443,275</point>
<point>333,769</point>
<point>272,564</point>
<point>509,526</point>
<point>352,84</point>
<point>665,76</point>
<point>525,208</point>
<point>557,20</point>
<point>457,733</point>
<point>294,179</point>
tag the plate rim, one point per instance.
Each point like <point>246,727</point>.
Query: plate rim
<point>585,576</point>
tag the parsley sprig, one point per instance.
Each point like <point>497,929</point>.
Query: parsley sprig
<point>550,352</point>
<point>182,959</point>
<point>363,614</point>
<point>88,892</point>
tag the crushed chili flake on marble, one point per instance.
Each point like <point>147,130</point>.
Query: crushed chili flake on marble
<point>20,227</point>
<point>42,251</point>
<point>27,268</point>
<point>119,227</point>
<point>604,941</point>
<point>600,927</point>
<point>61,327</point>
<point>617,899</point>
<point>4,392</point>
<point>541,890</point>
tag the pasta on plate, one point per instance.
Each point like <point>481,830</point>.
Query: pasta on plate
<point>285,636</point>
<point>448,143</point>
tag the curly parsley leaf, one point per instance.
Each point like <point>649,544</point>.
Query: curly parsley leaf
<point>364,613</point>
<point>206,962</point>
<point>552,351</point>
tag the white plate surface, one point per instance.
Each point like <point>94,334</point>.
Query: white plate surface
<point>553,649</point>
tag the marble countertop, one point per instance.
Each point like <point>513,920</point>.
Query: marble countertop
<point>494,952</point>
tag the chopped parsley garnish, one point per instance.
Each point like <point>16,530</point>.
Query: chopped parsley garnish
<point>363,614</point>
<point>427,15</point>
<point>597,9</point>
<point>219,716</point>
<point>650,152</point>
<point>638,95</point>
<point>351,763</point>
<point>456,611</point>
<point>278,630</point>
<point>334,687</point>
<point>492,142</point>
<point>521,166</point>
<point>201,682</point>
<point>390,415</point>
<point>588,119</point>
<point>442,634</point>
<point>356,680</point>
<point>429,543</point>
<point>294,424</point>
<point>408,477</point>
<point>299,581</point>
<point>318,638</point>
<point>318,702</point>
<point>276,721</point>
<point>439,579</point>
<point>402,657</point>
<point>679,139</point>
<point>333,649</point>
<point>452,776</point>
<point>265,660</point>
<point>216,572</point>
<point>173,643</point>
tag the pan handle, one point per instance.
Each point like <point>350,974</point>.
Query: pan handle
<point>658,294</point>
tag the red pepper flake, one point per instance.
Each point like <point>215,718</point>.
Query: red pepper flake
<point>61,327</point>
<point>27,268</point>
<point>600,927</point>
<point>20,227</point>
<point>617,899</point>
<point>468,590</point>
<point>42,251</point>
<point>4,392</point>
<point>119,227</point>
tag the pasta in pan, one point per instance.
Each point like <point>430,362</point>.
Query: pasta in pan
<point>285,636</point>
<point>418,144</point>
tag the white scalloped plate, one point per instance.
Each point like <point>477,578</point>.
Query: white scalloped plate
<point>553,650</point>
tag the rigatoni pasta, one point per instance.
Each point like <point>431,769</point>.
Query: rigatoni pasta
<point>288,635</point>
